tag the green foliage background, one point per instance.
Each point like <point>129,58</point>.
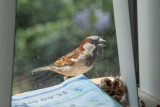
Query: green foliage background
<point>45,31</point>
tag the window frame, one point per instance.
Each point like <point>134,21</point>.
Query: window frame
<point>125,49</point>
<point>7,33</point>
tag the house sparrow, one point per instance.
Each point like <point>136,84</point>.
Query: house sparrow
<point>79,61</point>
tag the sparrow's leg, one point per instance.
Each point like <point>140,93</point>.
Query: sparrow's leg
<point>65,77</point>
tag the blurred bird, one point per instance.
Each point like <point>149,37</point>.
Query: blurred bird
<point>79,61</point>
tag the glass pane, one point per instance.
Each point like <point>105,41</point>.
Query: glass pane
<point>49,29</point>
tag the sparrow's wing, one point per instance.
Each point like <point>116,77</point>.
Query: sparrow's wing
<point>68,59</point>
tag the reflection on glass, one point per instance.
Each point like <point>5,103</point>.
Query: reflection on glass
<point>48,29</point>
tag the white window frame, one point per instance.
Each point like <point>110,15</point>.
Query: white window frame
<point>7,31</point>
<point>125,49</point>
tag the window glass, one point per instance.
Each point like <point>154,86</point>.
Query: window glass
<point>49,29</point>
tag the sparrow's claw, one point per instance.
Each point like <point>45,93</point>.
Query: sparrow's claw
<point>65,77</point>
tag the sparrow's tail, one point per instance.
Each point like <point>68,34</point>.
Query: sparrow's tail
<point>45,68</point>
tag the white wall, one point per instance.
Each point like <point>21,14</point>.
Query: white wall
<point>149,46</point>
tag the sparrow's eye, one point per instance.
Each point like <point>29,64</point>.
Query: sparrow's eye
<point>93,41</point>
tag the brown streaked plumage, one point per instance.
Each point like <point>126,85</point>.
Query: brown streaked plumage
<point>67,59</point>
<point>79,61</point>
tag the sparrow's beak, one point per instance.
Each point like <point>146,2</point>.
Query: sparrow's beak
<point>100,43</point>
